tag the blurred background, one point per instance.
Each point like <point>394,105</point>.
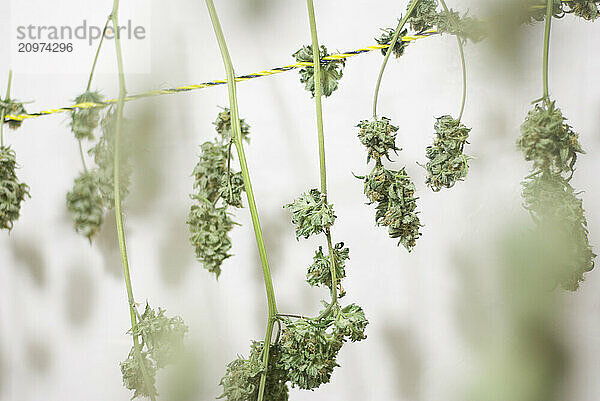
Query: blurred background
<point>460,318</point>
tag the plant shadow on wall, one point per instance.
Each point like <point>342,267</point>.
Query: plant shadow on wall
<point>297,349</point>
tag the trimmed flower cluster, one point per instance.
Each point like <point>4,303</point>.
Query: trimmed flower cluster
<point>217,188</point>
<point>552,147</point>
<point>331,70</point>
<point>311,214</point>
<point>92,195</point>
<point>392,191</point>
<point>535,10</point>
<point>447,163</point>
<point>161,344</point>
<point>12,191</point>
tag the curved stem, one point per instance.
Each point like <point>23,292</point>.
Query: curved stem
<point>89,84</point>
<point>3,109</point>
<point>549,8</point>
<point>463,65</point>
<point>389,52</point>
<point>117,196</point>
<point>235,124</point>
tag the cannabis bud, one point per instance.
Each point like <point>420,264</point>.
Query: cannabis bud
<point>163,336</point>
<point>86,205</point>
<point>12,192</point>
<point>319,273</point>
<point>586,9</point>
<point>351,322</point>
<point>139,374</point>
<point>308,353</point>
<point>210,171</point>
<point>103,153</point>
<point>386,38</point>
<point>447,162</point>
<point>209,234</point>
<point>393,191</point>
<point>231,188</point>
<point>464,27</point>
<point>311,214</point>
<point>554,205</point>
<point>85,120</point>
<point>331,70</point>
<point>161,341</point>
<point>424,16</point>
<point>242,377</point>
<point>548,141</point>
<point>379,137</point>
<point>223,126</point>
<point>12,107</point>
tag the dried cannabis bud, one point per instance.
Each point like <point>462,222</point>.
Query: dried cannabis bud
<point>423,16</point>
<point>351,322</point>
<point>137,371</point>
<point>210,171</point>
<point>464,27</point>
<point>554,205</point>
<point>548,141</point>
<point>311,214</point>
<point>447,162</point>
<point>85,121</point>
<point>242,378</point>
<point>223,126</point>
<point>103,153</point>
<point>331,70</point>
<point>163,336</point>
<point>393,191</point>
<point>308,353</point>
<point>386,38</point>
<point>209,234</point>
<point>319,273</point>
<point>232,186</point>
<point>586,9</point>
<point>86,205</point>
<point>379,137</point>
<point>162,341</point>
<point>12,107</point>
<point>12,192</point>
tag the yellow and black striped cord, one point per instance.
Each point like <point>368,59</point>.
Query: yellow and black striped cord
<point>159,92</point>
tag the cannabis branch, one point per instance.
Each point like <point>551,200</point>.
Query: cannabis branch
<point>299,350</point>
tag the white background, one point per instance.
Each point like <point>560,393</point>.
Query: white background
<point>64,312</point>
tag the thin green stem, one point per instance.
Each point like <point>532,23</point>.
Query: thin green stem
<point>89,84</point>
<point>235,124</point>
<point>401,24</point>
<point>321,140</point>
<point>81,155</point>
<point>463,64</point>
<point>549,9</point>
<point>117,195</point>
<point>7,98</point>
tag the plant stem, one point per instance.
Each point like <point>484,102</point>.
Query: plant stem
<point>3,109</point>
<point>321,139</point>
<point>235,124</point>
<point>89,84</point>
<point>463,64</point>
<point>389,52</point>
<point>549,9</point>
<point>117,196</point>
<point>81,155</point>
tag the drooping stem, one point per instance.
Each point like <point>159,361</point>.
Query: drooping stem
<point>463,64</point>
<point>549,9</point>
<point>321,140</point>
<point>401,24</point>
<point>235,124</point>
<point>81,155</point>
<point>117,195</point>
<point>89,84</point>
<point>3,109</point>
